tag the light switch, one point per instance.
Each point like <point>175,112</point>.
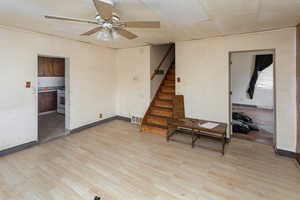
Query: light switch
<point>178,80</point>
<point>28,84</point>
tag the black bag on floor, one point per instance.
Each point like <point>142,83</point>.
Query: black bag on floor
<point>240,127</point>
<point>241,117</point>
<point>252,126</point>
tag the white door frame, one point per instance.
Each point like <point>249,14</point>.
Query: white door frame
<point>67,91</point>
<point>274,91</point>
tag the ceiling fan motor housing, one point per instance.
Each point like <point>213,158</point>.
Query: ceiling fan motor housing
<point>115,18</point>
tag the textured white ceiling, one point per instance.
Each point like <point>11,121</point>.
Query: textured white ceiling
<point>180,19</point>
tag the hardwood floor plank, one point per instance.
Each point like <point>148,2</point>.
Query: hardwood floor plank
<point>115,160</point>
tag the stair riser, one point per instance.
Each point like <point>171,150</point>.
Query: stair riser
<point>171,77</point>
<point>165,96</point>
<point>161,113</point>
<point>155,130</point>
<point>157,120</point>
<point>169,84</point>
<point>168,90</point>
<point>163,104</point>
<point>168,81</point>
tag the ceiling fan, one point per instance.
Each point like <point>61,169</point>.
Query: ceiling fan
<point>108,23</point>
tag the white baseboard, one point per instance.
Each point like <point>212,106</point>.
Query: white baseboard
<point>49,112</point>
<point>266,107</point>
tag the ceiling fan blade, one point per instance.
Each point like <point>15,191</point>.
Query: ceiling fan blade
<point>142,24</point>
<point>104,9</point>
<point>125,33</point>
<point>71,19</point>
<point>91,32</point>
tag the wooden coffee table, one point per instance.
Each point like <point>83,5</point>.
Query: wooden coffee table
<point>220,131</point>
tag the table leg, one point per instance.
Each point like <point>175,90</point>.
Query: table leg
<point>171,132</point>
<point>224,143</point>
<point>194,139</point>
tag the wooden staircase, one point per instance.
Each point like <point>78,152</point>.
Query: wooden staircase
<point>161,107</point>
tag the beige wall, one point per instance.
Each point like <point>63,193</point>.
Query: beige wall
<point>92,82</point>
<point>298,88</point>
<point>133,81</point>
<point>114,82</point>
<point>134,67</point>
<point>203,68</point>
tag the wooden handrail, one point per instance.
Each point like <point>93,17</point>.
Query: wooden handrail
<point>162,61</point>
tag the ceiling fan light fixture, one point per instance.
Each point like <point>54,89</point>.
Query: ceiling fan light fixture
<point>99,19</point>
<point>105,35</point>
<point>107,26</point>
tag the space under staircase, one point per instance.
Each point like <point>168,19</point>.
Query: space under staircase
<point>161,107</point>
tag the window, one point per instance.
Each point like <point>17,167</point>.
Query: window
<point>265,78</point>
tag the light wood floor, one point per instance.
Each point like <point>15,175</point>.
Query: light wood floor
<point>115,161</point>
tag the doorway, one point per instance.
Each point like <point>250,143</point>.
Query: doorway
<point>252,96</point>
<point>51,98</point>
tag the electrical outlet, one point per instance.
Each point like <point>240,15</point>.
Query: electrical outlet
<point>136,120</point>
<point>100,115</point>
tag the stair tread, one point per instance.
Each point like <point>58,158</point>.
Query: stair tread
<point>155,125</point>
<point>169,84</point>
<point>165,93</point>
<point>165,100</point>
<point>168,95</point>
<point>159,116</point>
<point>170,92</point>
<point>162,108</point>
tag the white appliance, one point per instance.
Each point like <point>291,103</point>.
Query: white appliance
<point>61,101</point>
